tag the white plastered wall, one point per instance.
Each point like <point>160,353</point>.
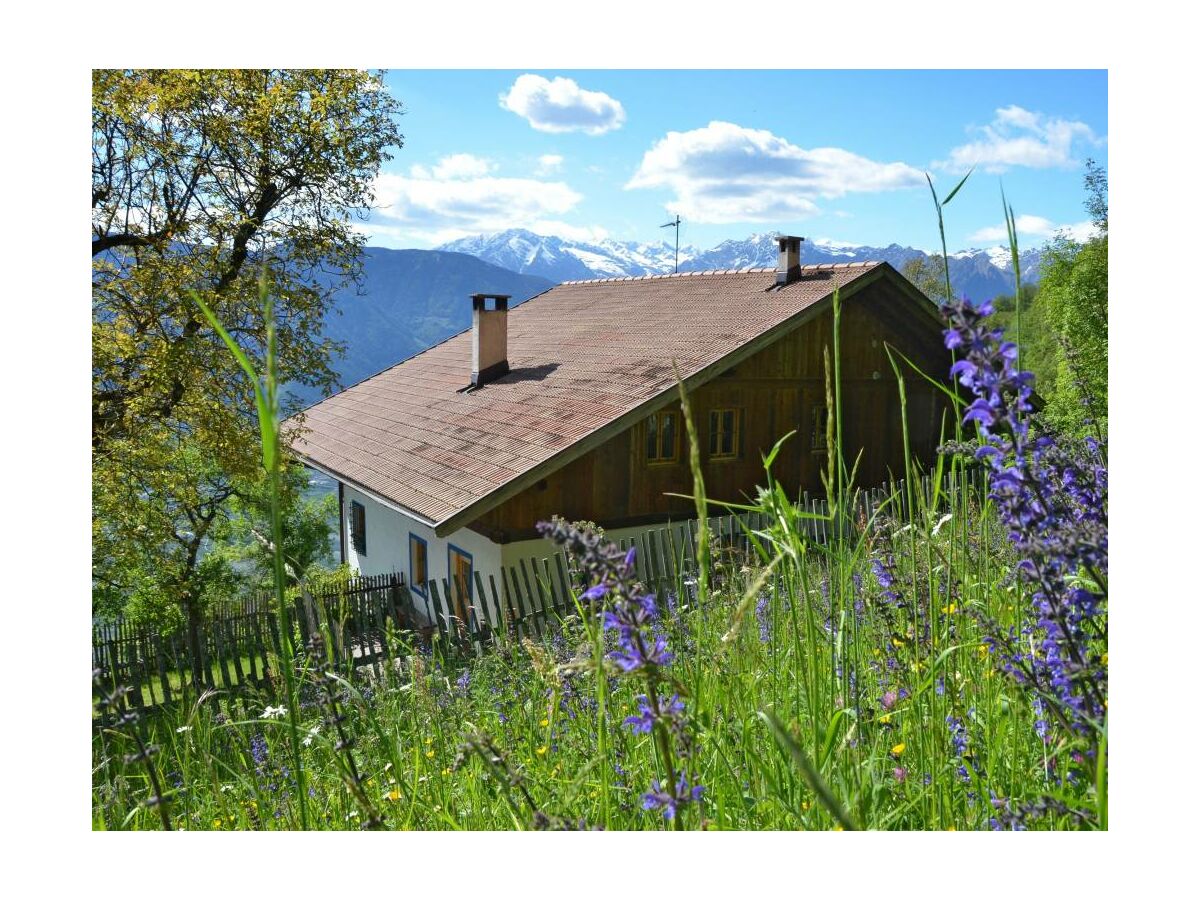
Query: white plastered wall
<point>388,533</point>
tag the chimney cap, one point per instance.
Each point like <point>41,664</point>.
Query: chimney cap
<point>478,300</point>
<point>781,239</point>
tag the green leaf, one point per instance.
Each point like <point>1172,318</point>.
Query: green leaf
<point>950,196</point>
<point>814,779</point>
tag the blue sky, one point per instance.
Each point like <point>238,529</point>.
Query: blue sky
<point>837,155</point>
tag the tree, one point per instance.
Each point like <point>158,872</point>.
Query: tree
<point>207,181</point>
<point>929,274</point>
<point>1039,346</point>
<point>1074,292</point>
<point>194,175</point>
<point>307,529</point>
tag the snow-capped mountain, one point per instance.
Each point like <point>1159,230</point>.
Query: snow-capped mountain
<point>761,250</point>
<point>976,273</point>
<point>564,260</point>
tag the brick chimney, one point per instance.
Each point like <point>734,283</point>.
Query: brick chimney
<point>788,268</point>
<point>489,338</point>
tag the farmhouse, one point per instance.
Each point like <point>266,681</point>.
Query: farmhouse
<point>567,404</point>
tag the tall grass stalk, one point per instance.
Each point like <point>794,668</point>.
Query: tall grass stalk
<point>266,401</point>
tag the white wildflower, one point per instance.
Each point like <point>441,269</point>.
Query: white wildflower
<point>274,712</point>
<point>312,733</point>
<point>183,729</point>
<point>942,521</point>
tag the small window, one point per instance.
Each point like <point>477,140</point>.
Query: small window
<point>662,437</point>
<point>724,432</point>
<point>418,563</point>
<point>818,438</point>
<point>358,527</point>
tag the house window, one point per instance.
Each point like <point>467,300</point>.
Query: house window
<point>460,566</point>
<point>662,437</point>
<point>358,527</point>
<point>724,432</point>
<point>818,438</point>
<point>418,563</point>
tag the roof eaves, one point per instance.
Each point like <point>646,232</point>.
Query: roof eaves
<point>363,489</point>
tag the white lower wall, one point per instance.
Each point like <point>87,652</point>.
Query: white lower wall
<point>388,532</point>
<point>387,546</point>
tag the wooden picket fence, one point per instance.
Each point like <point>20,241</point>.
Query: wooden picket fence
<point>369,623</point>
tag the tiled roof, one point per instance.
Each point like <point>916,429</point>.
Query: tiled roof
<point>582,355</point>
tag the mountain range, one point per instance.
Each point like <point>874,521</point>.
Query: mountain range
<point>411,299</point>
<point>977,273</point>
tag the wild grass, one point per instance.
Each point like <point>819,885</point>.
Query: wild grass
<point>851,683</point>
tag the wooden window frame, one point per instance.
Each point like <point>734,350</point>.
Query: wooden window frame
<point>715,435</point>
<point>358,511</point>
<point>417,585</point>
<point>661,460</point>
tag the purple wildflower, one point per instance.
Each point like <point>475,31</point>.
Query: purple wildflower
<point>641,651</point>
<point>762,612</point>
<point>1054,502</point>
<point>670,799</point>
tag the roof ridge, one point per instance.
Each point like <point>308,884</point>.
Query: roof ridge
<point>748,270</point>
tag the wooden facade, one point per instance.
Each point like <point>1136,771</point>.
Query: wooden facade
<point>627,480</point>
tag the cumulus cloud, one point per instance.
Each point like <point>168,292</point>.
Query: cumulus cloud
<point>725,173</point>
<point>548,163</point>
<point>459,196</point>
<point>1035,226</point>
<point>1019,137</point>
<point>562,105</point>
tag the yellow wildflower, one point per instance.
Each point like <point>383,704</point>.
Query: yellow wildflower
<point>541,751</point>
<point>544,723</point>
<point>429,754</point>
<point>216,823</point>
<point>885,718</point>
<point>898,749</point>
<point>428,741</point>
<point>393,794</point>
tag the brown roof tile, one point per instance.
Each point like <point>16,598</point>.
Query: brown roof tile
<point>581,355</point>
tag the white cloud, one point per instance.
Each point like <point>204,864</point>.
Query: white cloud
<point>1018,137</point>
<point>1034,226</point>
<point>549,163</point>
<point>459,196</point>
<point>562,105</point>
<point>462,165</point>
<point>725,173</point>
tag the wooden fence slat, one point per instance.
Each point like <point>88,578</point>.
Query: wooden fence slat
<point>439,622</point>
<point>563,585</point>
<point>510,582</point>
<point>533,611</point>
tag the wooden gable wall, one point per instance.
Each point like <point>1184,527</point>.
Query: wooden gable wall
<point>779,389</point>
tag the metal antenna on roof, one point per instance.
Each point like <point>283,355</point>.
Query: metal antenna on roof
<point>675,225</point>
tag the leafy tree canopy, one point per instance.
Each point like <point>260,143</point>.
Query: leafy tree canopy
<point>203,181</point>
